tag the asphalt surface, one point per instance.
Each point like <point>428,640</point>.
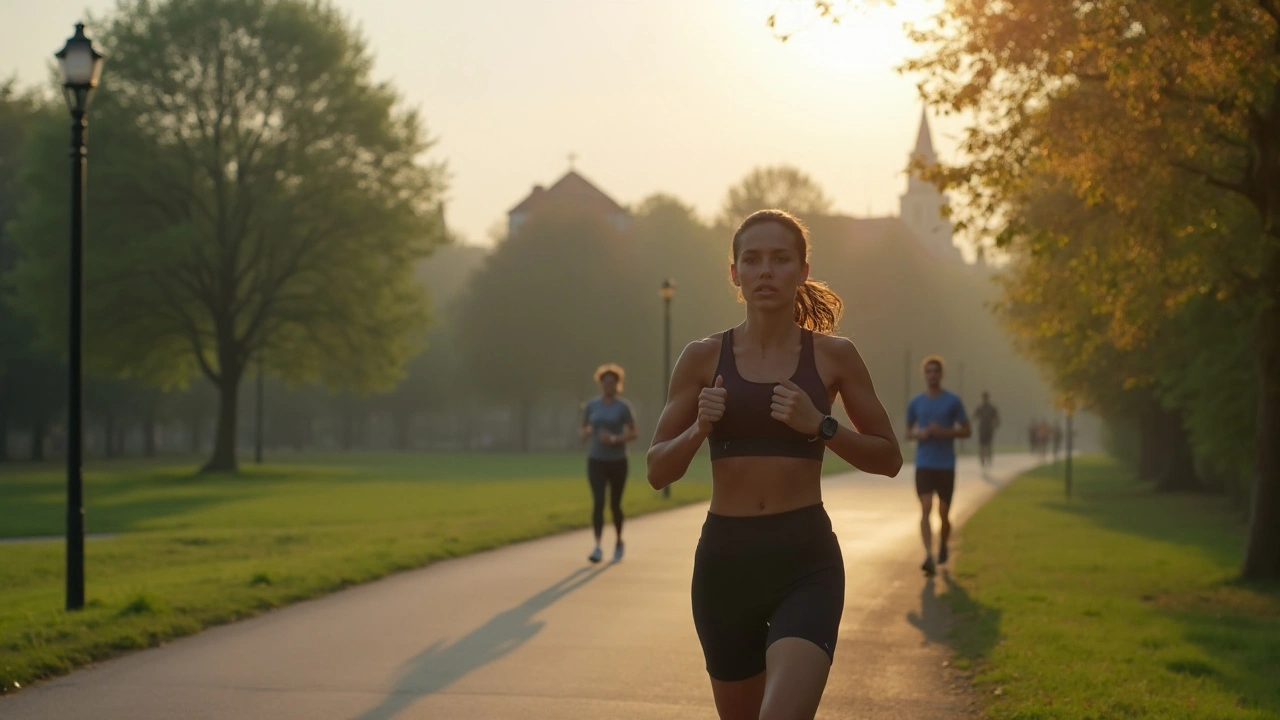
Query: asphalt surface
<point>533,631</point>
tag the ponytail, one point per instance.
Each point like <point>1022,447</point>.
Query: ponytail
<point>818,308</point>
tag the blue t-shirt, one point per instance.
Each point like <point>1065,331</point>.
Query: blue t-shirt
<point>607,417</point>
<point>947,411</point>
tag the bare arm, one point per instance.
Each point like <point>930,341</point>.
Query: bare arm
<point>679,433</point>
<point>871,445</point>
<point>963,431</point>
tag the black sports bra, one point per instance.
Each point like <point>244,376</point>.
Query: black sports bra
<point>746,427</point>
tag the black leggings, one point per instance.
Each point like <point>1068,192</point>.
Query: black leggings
<point>614,474</point>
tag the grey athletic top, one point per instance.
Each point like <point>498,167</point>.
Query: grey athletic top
<point>609,417</point>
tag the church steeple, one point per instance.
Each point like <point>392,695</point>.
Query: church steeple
<point>924,140</point>
<point>921,206</point>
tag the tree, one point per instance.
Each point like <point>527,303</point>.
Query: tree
<point>549,305</point>
<point>252,189</point>
<point>1117,97</point>
<point>778,186</point>
<point>29,379</point>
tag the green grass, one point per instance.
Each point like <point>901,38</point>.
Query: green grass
<point>1120,603</point>
<point>197,550</point>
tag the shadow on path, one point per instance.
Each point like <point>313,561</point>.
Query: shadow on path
<point>955,619</point>
<point>440,666</point>
<point>932,618</point>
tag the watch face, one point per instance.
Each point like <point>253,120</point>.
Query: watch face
<point>829,427</point>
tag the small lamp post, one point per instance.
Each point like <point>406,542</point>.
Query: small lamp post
<point>666,292</point>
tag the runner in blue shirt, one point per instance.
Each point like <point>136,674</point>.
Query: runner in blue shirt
<point>935,418</point>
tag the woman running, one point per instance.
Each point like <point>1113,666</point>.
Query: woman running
<point>768,575</point>
<point>609,422</point>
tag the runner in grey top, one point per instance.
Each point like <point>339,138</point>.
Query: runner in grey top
<point>608,423</point>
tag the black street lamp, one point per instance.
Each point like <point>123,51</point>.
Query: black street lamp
<point>667,292</point>
<point>81,65</point>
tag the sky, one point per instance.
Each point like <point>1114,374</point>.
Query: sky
<point>683,97</point>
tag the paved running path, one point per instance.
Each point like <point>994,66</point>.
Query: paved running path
<point>531,632</point>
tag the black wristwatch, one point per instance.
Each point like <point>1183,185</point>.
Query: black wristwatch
<point>828,427</point>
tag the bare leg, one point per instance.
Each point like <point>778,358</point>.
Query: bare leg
<point>926,530</point>
<point>796,676</point>
<point>944,510</point>
<point>740,699</point>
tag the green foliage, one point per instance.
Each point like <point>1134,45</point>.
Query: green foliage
<point>779,186</point>
<point>251,186</point>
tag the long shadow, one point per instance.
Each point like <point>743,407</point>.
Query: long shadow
<point>931,620</point>
<point>975,628</point>
<point>436,667</point>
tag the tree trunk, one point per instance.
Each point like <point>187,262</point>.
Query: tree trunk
<point>37,439</point>
<point>1151,458</point>
<point>403,420</point>
<point>4,426</point>
<point>109,435</point>
<point>1179,471</point>
<point>348,428</point>
<point>195,432</point>
<point>526,425</point>
<point>149,431</point>
<point>224,442</point>
<point>1262,555</point>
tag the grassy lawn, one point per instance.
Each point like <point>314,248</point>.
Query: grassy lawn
<point>199,550</point>
<point>1120,603</point>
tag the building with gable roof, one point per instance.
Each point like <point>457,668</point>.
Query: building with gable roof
<point>571,191</point>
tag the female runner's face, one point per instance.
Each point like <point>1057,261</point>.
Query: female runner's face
<point>609,385</point>
<point>769,268</point>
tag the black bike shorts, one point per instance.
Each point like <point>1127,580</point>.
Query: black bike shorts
<point>934,480</point>
<point>762,578</point>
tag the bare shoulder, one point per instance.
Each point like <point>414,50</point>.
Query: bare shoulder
<point>838,358</point>
<point>836,347</point>
<point>699,358</point>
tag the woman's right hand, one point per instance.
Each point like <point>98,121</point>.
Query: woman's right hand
<point>711,403</point>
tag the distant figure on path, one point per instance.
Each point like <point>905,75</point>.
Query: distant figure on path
<point>988,418</point>
<point>768,576</point>
<point>935,418</point>
<point>608,423</point>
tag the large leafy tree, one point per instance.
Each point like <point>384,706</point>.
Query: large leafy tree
<point>1119,97</point>
<point>30,379</point>
<point>549,305</point>
<point>252,189</point>
<point>775,186</point>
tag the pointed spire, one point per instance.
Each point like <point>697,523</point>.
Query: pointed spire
<point>924,139</point>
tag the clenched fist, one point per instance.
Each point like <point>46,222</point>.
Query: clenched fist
<point>793,406</point>
<point>711,405</point>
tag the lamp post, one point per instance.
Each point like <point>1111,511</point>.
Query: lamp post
<point>81,64</point>
<point>667,292</point>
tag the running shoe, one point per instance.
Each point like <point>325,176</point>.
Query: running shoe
<point>596,555</point>
<point>942,555</point>
<point>928,567</point>
<point>617,552</point>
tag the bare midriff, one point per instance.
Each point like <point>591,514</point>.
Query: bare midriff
<point>764,485</point>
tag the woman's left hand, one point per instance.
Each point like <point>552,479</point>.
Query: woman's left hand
<point>793,406</point>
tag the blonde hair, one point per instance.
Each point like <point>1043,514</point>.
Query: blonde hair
<point>942,365</point>
<point>611,369</point>
<point>818,307</point>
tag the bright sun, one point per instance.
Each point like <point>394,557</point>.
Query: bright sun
<point>868,34</point>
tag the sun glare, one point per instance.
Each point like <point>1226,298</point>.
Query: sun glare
<point>850,34</point>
